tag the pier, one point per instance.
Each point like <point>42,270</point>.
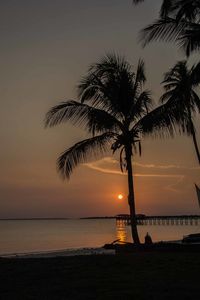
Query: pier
<point>161,220</point>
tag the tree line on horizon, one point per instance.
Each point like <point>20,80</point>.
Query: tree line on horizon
<point>116,109</point>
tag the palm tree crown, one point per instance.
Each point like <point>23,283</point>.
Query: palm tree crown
<point>180,85</point>
<point>112,108</point>
<point>179,21</point>
<point>116,110</point>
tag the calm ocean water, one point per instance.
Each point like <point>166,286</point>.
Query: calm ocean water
<point>23,236</point>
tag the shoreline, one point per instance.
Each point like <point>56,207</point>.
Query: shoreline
<point>160,247</point>
<point>60,253</point>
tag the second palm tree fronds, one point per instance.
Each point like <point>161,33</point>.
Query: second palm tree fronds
<point>180,85</point>
<point>116,111</point>
<point>179,21</point>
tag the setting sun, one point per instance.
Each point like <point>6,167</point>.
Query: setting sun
<point>120,196</point>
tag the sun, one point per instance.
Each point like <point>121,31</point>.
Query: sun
<point>120,196</point>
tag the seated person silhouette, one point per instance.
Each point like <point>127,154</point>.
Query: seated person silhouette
<point>148,239</point>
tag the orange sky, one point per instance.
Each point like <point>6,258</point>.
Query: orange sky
<point>46,47</point>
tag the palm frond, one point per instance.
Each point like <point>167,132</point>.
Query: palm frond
<point>195,99</point>
<point>140,79</point>
<point>163,29</point>
<point>109,84</point>
<point>166,8</point>
<point>91,87</point>
<point>189,39</point>
<point>176,80</point>
<point>187,9</point>
<point>83,152</point>
<point>180,83</point>
<point>176,72</point>
<point>93,119</point>
<point>111,64</point>
<point>195,74</point>
<point>160,122</point>
<point>166,96</point>
<point>179,22</point>
<point>140,74</point>
<point>180,95</point>
<point>142,105</point>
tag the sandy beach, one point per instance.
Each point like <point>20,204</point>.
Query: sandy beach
<point>136,276</point>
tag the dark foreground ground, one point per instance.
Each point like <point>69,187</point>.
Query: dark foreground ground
<point>137,276</point>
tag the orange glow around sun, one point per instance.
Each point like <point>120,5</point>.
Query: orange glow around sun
<point>120,196</point>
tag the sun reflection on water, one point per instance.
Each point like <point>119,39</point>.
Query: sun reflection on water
<point>121,229</point>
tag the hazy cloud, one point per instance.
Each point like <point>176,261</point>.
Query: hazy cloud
<point>111,166</point>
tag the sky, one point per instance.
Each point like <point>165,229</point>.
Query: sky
<point>46,46</point>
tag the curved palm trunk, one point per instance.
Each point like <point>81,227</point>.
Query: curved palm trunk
<point>193,134</point>
<point>195,140</point>
<point>131,197</point>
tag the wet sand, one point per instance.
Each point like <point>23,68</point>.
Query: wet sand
<point>60,253</point>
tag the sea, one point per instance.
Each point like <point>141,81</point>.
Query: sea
<point>33,236</point>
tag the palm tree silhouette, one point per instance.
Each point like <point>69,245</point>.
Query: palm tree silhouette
<point>115,109</point>
<point>180,92</point>
<point>179,21</point>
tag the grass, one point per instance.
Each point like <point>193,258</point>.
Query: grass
<point>137,276</point>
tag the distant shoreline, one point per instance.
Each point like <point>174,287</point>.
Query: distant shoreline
<point>95,217</point>
<point>40,219</point>
<point>35,219</point>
